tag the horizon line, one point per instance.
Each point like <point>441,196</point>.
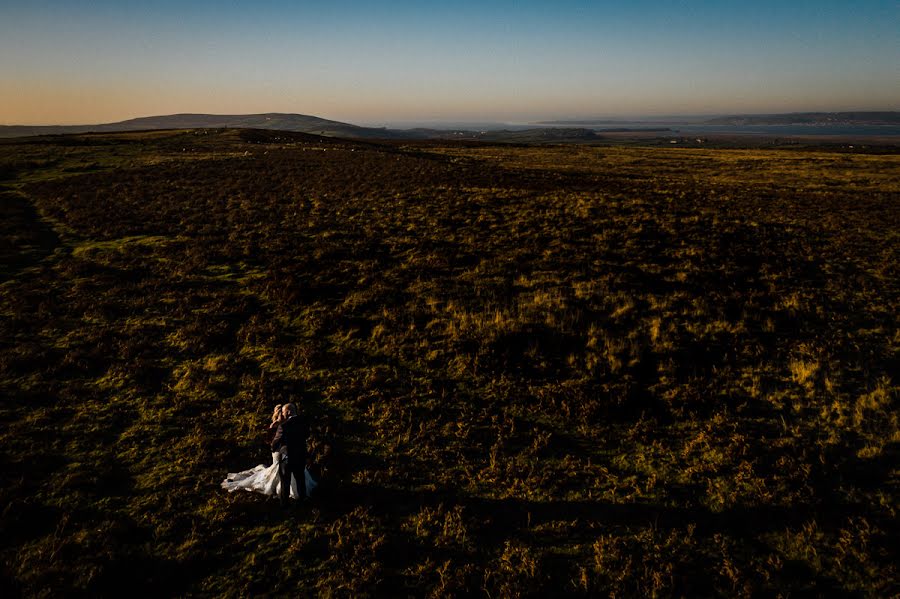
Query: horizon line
<point>542,120</point>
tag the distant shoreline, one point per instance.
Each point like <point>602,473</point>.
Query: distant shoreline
<point>794,119</point>
<point>818,127</point>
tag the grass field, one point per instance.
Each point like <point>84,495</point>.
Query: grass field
<point>551,369</point>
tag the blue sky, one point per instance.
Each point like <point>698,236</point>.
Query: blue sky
<point>64,62</point>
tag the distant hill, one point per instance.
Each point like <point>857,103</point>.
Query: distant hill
<point>300,123</point>
<point>283,122</point>
<point>810,118</point>
<point>585,131</point>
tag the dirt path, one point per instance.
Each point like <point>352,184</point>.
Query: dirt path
<point>25,239</point>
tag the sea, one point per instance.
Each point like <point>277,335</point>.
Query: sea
<point>673,128</point>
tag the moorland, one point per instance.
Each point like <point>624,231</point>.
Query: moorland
<point>583,369</point>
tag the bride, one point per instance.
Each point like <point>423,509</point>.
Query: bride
<point>261,478</point>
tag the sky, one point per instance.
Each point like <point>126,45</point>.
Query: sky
<point>370,62</point>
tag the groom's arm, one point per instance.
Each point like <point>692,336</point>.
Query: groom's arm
<point>276,441</point>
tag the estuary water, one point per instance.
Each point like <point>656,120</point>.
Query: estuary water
<point>675,128</point>
<point>773,130</point>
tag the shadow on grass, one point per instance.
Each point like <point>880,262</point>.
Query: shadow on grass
<point>25,239</point>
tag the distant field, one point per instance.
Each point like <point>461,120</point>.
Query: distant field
<point>560,369</point>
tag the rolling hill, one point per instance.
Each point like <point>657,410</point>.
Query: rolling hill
<point>279,121</point>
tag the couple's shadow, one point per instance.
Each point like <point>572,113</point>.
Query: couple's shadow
<point>501,518</point>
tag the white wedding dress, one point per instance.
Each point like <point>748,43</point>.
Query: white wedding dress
<point>260,479</point>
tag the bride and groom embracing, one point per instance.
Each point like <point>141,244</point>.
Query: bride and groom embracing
<point>289,432</point>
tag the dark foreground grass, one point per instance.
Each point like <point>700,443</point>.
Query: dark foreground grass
<point>604,371</point>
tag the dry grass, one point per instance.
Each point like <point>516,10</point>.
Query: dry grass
<point>580,370</point>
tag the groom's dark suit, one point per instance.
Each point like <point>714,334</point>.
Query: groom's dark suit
<point>292,434</point>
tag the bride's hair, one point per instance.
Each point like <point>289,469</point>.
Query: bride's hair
<point>276,414</point>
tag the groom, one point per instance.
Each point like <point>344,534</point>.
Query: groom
<point>292,434</point>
